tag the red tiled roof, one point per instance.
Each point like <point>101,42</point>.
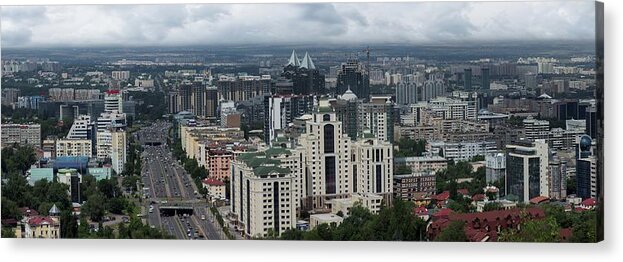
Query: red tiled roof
<point>26,211</point>
<point>589,202</point>
<point>443,196</point>
<point>38,220</point>
<point>539,199</point>
<point>463,191</point>
<point>420,211</point>
<point>478,197</point>
<point>483,226</point>
<point>212,182</point>
<point>442,213</point>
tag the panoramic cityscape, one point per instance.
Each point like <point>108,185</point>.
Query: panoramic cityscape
<point>327,122</point>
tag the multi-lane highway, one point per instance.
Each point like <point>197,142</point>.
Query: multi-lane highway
<point>173,203</point>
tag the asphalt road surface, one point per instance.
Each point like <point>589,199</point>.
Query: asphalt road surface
<point>167,184</point>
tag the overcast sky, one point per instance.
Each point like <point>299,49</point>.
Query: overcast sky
<point>215,24</point>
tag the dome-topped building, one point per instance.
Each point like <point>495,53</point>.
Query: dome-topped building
<point>349,95</point>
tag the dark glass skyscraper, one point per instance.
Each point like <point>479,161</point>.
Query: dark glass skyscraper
<point>467,79</point>
<point>484,76</point>
<point>354,76</point>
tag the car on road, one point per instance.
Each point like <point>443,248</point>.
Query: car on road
<point>203,217</point>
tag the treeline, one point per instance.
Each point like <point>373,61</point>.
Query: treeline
<point>396,223</point>
<point>191,166</point>
<point>133,166</point>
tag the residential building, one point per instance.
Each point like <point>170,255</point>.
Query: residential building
<point>263,194</point>
<point>216,188</point>
<point>371,201</point>
<point>377,116</point>
<point>22,134</point>
<point>461,151</point>
<point>120,75</point>
<point>535,129</point>
<point>423,163</point>
<point>282,110</point>
<point>219,163</point>
<point>410,186</point>
<point>557,174</point>
<point>74,147</point>
<point>373,166</point>
<point>48,227</point>
<point>326,156</point>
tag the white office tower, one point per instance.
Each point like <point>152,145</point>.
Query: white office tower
<point>373,166</point>
<point>118,149</point>
<point>326,158</point>
<point>81,128</point>
<point>107,123</point>
<point>263,195</point>
<point>113,101</point>
<point>526,169</point>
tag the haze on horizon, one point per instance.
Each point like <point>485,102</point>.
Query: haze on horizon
<point>319,23</point>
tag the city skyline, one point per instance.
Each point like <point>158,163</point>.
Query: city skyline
<point>318,23</point>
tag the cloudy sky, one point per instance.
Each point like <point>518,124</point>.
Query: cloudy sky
<point>324,23</point>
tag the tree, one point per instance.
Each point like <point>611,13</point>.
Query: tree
<point>8,232</point>
<point>95,207</point>
<point>541,230</point>
<point>455,232</point>
<point>10,209</point>
<point>491,206</point>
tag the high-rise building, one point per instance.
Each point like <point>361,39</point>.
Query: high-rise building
<point>586,168</point>
<point>373,162</point>
<point>212,102</point>
<point>467,79</point>
<point>113,101</point>
<point>282,110</point>
<point>406,93</point>
<point>326,156</point>
<point>9,95</point>
<point>27,134</point>
<point>304,76</point>
<point>243,88</point>
<point>353,76</point>
<point>120,75</point>
<point>74,147</point>
<point>431,89</point>
<point>536,129</point>
<point>557,173</point>
<point>174,102</point>
<point>495,167</point>
<point>118,149</point>
<point>484,76</point>
<point>264,191</point>
<point>82,128</point>
<point>198,100</point>
<point>526,169</point>
<point>347,110</point>
<point>185,93</point>
<point>591,122</point>
<point>377,116</point>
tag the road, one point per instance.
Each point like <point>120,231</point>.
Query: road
<point>166,184</point>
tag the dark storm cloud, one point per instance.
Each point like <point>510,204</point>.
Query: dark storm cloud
<point>82,25</point>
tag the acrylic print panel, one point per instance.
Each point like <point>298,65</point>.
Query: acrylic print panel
<point>423,121</point>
